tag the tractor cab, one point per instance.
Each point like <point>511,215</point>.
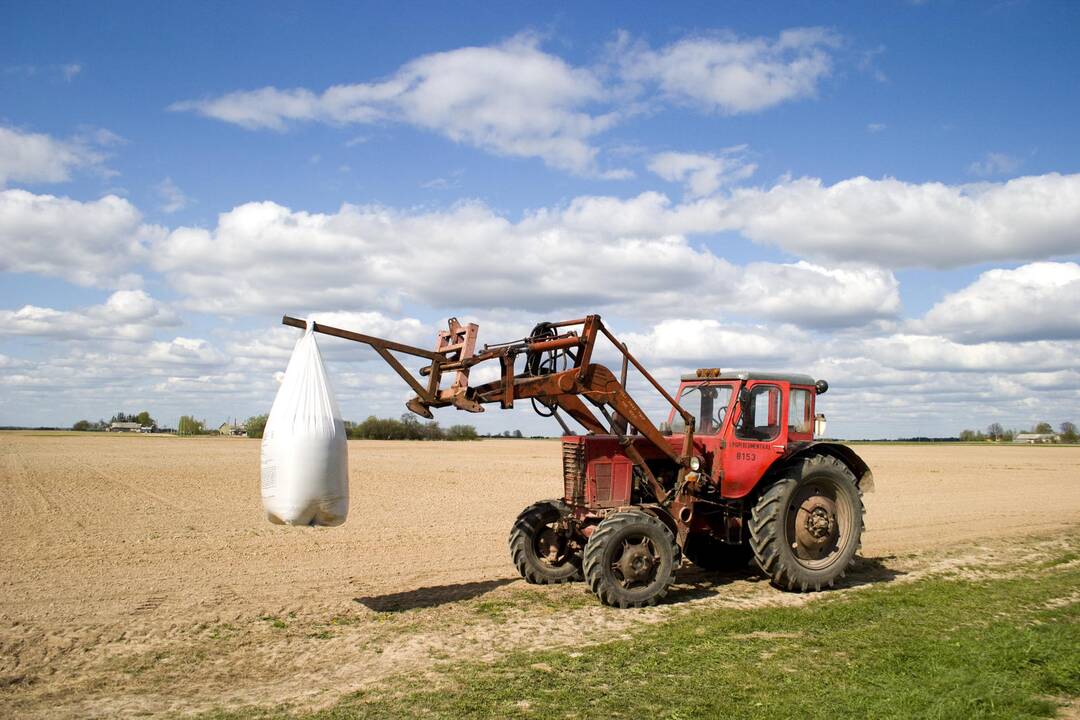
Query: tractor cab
<point>746,420</point>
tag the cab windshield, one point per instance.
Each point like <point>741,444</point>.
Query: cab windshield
<point>708,402</point>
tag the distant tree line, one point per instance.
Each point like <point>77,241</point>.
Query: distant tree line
<point>408,428</point>
<point>255,426</point>
<point>995,432</point>
<point>87,426</point>
<point>188,425</point>
<point>374,428</point>
<point>143,418</point>
<point>515,434</point>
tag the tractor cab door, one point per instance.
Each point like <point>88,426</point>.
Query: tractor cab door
<point>756,436</point>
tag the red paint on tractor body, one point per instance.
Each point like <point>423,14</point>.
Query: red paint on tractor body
<point>738,441</point>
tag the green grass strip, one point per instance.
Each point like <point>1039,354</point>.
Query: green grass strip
<point>935,648</point>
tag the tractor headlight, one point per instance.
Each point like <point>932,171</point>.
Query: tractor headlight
<point>695,463</point>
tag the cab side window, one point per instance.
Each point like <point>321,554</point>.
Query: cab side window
<point>800,419</point>
<point>760,419</point>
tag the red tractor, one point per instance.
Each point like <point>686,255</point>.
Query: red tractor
<point>734,474</point>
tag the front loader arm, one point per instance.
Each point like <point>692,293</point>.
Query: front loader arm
<point>456,353</point>
<point>597,384</point>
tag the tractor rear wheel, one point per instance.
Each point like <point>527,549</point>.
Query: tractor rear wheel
<point>541,553</point>
<point>806,528</point>
<point>630,559</point>
<point>708,553</point>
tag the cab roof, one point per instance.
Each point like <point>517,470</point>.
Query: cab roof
<point>793,378</point>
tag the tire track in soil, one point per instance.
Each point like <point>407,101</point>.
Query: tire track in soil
<point>48,507</point>
<point>31,492</point>
<point>151,603</point>
<point>171,504</point>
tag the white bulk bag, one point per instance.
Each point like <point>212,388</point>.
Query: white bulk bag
<point>305,476</point>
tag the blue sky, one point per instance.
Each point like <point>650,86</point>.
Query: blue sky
<point>881,194</point>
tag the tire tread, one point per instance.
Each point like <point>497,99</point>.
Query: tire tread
<point>594,551</point>
<point>526,526</point>
<point>767,517</point>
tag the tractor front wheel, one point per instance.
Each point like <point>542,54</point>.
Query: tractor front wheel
<point>806,528</point>
<point>630,559</point>
<point>540,551</point>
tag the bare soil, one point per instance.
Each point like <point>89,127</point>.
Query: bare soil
<point>139,574</point>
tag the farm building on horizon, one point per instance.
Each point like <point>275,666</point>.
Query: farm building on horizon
<point>232,430</point>
<point>1036,438</point>
<point>130,427</point>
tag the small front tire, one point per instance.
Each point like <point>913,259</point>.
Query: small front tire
<point>630,559</point>
<point>540,552</point>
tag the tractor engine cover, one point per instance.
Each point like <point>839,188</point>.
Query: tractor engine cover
<point>596,473</point>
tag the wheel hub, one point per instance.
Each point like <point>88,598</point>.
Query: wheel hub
<point>549,546</point>
<point>816,527</point>
<point>637,564</point>
<point>818,522</point>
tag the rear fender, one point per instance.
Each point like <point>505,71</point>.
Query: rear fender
<point>864,478</point>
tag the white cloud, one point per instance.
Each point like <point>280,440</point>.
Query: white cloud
<point>266,107</point>
<point>510,99</point>
<point>1040,301</point>
<point>123,370</point>
<point>66,71</point>
<point>703,174</point>
<point>270,348</point>
<point>87,243</point>
<point>125,315</point>
<point>453,180</point>
<point>407,330</point>
<point>868,63</point>
<point>9,363</point>
<point>515,99</point>
<point>899,224</point>
<point>184,352</point>
<point>267,257</point>
<point>876,127</point>
<point>39,158</point>
<point>885,222</point>
<point>687,341</point>
<point>995,164</point>
<point>172,197</point>
<point>815,295</point>
<point>733,75</point>
<point>928,352</point>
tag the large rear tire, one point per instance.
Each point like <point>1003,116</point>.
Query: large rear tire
<point>630,559</point>
<point>541,553</point>
<point>806,528</point>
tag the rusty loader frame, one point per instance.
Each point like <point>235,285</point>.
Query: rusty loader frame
<point>572,342</point>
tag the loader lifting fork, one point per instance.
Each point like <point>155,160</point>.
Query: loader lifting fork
<point>741,478</point>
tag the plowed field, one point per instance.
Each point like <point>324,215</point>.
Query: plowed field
<point>138,573</point>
